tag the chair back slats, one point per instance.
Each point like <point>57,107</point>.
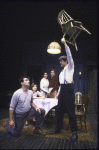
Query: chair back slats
<point>85,99</point>
<point>70,28</point>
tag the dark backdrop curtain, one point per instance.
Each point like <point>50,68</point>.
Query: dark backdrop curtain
<point>92,89</point>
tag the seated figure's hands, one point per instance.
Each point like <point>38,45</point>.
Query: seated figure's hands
<point>48,92</point>
<point>11,123</point>
<point>57,95</point>
<point>38,109</point>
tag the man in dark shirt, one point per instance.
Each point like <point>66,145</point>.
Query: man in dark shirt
<point>53,84</point>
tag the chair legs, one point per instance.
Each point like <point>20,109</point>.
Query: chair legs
<point>81,121</point>
<point>51,114</point>
<point>85,123</point>
<point>68,126</point>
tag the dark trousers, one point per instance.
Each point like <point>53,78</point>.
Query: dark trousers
<point>66,99</point>
<point>20,120</point>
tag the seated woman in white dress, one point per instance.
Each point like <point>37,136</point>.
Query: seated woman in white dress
<point>36,95</point>
<point>44,83</point>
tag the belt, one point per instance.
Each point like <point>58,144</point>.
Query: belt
<point>67,84</point>
<point>45,86</point>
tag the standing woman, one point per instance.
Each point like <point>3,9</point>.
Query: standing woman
<point>44,83</point>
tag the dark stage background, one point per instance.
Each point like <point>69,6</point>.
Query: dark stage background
<point>27,28</point>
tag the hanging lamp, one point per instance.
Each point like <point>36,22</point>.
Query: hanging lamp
<point>54,48</point>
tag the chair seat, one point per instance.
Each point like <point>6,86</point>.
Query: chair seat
<point>79,113</point>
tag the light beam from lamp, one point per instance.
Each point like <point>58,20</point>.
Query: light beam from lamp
<point>54,48</point>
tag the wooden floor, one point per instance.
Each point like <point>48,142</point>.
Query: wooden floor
<point>41,142</point>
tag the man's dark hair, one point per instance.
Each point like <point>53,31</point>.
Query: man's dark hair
<point>53,70</point>
<point>65,60</point>
<point>21,79</point>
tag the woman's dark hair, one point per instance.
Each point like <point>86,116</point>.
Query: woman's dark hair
<point>33,84</point>
<point>46,72</point>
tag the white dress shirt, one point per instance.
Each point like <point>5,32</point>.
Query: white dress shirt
<point>66,75</point>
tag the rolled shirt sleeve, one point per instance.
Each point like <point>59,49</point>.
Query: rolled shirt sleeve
<point>14,101</point>
<point>69,58</point>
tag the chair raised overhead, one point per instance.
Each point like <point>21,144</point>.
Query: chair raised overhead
<point>70,27</point>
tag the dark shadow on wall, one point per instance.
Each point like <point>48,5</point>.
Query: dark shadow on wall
<point>92,89</point>
<point>34,74</point>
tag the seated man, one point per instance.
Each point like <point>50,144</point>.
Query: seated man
<point>53,84</point>
<point>20,106</point>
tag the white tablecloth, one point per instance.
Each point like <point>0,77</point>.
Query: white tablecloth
<point>46,104</point>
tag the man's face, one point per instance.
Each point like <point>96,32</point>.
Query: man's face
<point>63,63</point>
<point>52,73</point>
<point>45,75</point>
<point>25,82</point>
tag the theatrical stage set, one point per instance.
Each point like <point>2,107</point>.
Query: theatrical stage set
<point>66,125</point>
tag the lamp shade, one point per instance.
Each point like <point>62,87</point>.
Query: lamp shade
<point>54,48</point>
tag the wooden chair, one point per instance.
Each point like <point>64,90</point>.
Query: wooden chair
<point>81,112</point>
<point>70,27</point>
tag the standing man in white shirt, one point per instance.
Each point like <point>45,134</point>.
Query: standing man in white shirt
<point>66,94</point>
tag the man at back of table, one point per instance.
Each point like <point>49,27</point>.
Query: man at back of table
<point>20,106</point>
<point>53,84</point>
